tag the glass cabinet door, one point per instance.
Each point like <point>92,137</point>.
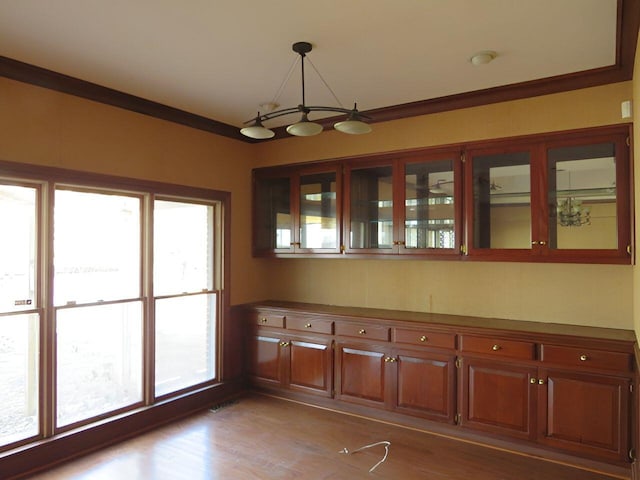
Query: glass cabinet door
<point>273,222</point>
<point>429,206</point>
<point>318,211</point>
<point>370,200</point>
<point>501,201</point>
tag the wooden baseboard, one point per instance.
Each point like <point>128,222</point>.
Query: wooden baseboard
<point>43,454</point>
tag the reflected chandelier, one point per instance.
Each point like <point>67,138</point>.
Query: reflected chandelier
<point>305,128</point>
<point>572,214</point>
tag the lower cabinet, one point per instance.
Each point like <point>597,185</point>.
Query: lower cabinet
<point>295,362</point>
<point>413,382</point>
<point>498,397</point>
<point>572,397</point>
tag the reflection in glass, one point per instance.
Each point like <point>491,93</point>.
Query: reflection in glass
<point>582,197</point>
<point>182,247</point>
<point>185,341</point>
<point>502,201</point>
<point>273,228</point>
<point>17,250</point>
<point>99,360</point>
<point>318,225</point>
<point>96,247</point>
<point>429,205</point>
<point>371,208</point>
<point>19,339</point>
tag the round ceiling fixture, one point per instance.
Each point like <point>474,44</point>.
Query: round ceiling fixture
<point>482,58</point>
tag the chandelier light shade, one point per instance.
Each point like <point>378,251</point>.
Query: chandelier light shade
<point>353,125</point>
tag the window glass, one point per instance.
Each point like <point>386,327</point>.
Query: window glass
<point>19,345</point>
<point>99,360</point>
<point>185,341</point>
<point>96,247</point>
<point>18,249</point>
<point>182,247</point>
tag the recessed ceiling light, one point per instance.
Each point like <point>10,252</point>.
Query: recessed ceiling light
<point>482,58</point>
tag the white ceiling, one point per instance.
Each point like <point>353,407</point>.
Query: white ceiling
<point>222,58</point>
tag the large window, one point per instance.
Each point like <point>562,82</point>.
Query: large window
<point>110,297</point>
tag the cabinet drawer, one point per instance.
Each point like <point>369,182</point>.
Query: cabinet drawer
<point>268,319</point>
<point>361,330</point>
<point>315,325</point>
<point>498,347</point>
<point>586,358</point>
<point>425,337</point>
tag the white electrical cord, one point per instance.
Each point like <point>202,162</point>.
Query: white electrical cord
<point>386,452</point>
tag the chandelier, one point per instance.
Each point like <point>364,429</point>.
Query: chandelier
<point>304,127</point>
<point>572,214</point>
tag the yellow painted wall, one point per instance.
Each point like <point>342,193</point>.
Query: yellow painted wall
<point>595,295</point>
<point>636,155</point>
<point>43,127</point>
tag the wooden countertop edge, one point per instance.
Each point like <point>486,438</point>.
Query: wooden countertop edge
<point>447,320</point>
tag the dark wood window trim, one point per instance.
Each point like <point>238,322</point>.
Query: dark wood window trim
<point>622,70</point>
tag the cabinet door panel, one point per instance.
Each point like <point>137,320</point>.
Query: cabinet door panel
<point>310,366</point>
<point>362,374</point>
<point>498,398</point>
<point>585,413</point>
<point>265,362</point>
<point>426,385</point>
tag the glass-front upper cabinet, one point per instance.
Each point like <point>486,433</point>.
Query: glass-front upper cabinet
<point>563,198</point>
<point>297,210</point>
<point>404,204</point>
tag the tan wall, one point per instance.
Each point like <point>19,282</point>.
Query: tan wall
<point>636,155</point>
<point>44,127</point>
<point>596,295</point>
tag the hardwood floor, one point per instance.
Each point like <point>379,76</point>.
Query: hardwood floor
<point>260,437</point>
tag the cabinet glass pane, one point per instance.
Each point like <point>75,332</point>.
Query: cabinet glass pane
<point>318,224</point>
<point>582,197</point>
<point>502,201</point>
<point>273,214</point>
<point>371,208</point>
<point>429,205</point>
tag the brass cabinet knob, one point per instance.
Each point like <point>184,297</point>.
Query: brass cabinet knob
<point>542,242</point>
<point>362,331</point>
<point>284,344</point>
<point>424,338</point>
<point>308,325</point>
<point>264,320</point>
<point>533,381</point>
<point>541,381</point>
<point>389,359</point>
<point>583,358</point>
<point>534,243</point>
<point>496,347</point>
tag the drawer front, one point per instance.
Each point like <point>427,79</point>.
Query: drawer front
<point>586,358</point>
<point>425,338</point>
<point>315,325</point>
<point>268,319</point>
<point>498,347</point>
<point>361,330</point>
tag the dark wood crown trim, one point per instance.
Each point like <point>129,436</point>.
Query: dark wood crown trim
<point>622,70</point>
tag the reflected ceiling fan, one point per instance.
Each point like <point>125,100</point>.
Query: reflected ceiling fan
<point>436,188</point>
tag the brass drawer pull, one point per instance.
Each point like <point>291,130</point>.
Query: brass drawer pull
<point>308,325</point>
<point>496,347</point>
<point>424,338</point>
<point>583,358</point>
<point>362,331</point>
<point>264,320</point>
<point>284,344</point>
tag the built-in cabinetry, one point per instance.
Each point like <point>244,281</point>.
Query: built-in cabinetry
<point>560,197</point>
<point>567,388</point>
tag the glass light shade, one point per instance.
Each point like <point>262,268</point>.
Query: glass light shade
<point>304,129</point>
<point>352,127</point>
<point>257,131</point>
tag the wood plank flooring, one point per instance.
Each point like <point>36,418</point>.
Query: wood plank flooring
<point>260,437</point>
